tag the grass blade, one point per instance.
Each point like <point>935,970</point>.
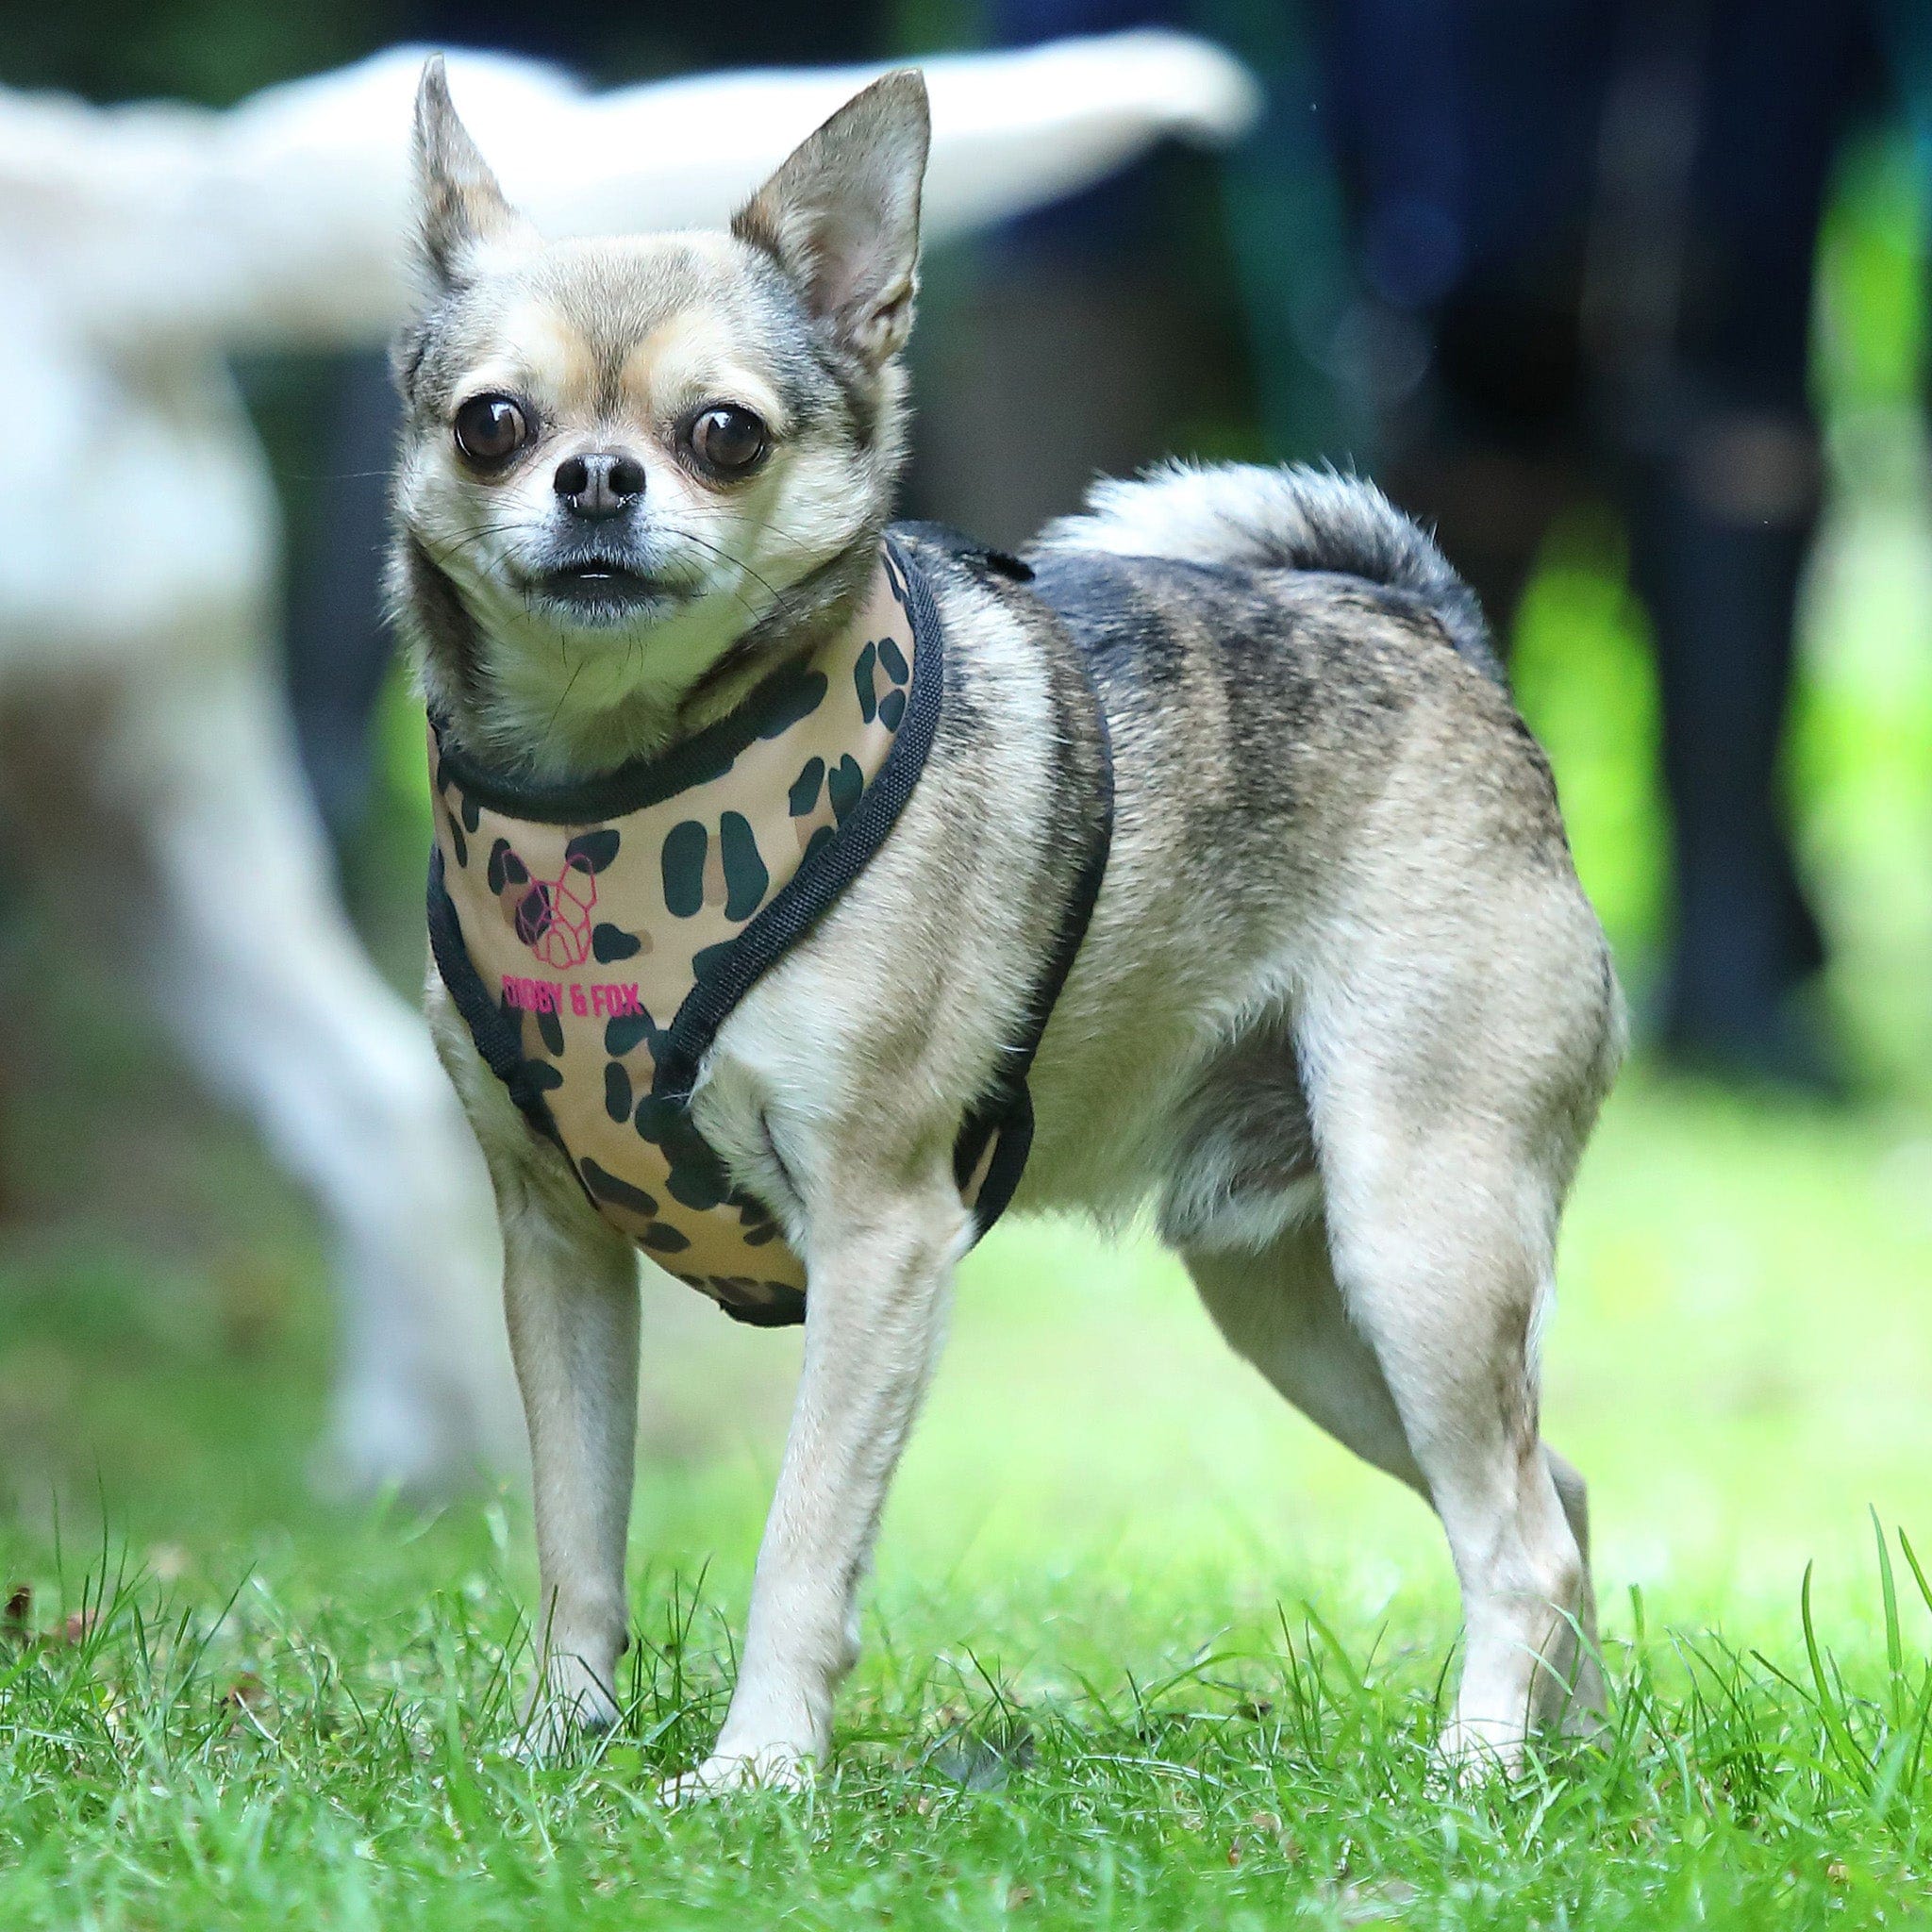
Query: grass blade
<point>1830,1711</point>
<point>1894,1643</point>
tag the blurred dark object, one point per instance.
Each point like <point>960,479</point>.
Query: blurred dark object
<point>337,636</point>
<point>1589,231</point>
<point>211,51</point>
<point>1907,27</point>
<point>1091,338</point>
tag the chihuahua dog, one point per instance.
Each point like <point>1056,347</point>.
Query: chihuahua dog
<point>1208,852</point>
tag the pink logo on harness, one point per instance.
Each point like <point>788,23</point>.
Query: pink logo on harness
<point>553,916</point>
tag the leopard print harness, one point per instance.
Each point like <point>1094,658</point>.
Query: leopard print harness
<point>594,937</point>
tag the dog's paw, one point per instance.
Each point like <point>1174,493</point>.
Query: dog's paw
<point>775,1768</point>
<point>1473,1752</point>
<point>565,1720</point>
<point>552,1738</point>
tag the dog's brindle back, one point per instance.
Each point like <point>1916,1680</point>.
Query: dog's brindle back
<point>1291,747</point>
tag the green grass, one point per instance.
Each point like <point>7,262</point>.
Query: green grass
<point>1143,1649</point>
<point>288,1759</point>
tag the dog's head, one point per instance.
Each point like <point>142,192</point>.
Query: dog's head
<point>620,456</point>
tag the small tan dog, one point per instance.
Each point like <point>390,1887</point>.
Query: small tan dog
<point>786,890</point>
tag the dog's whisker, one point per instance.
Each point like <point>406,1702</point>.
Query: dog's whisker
<point>791,535</point>
<point>544,743</point>
<point>750,609</point>
<point>719,551</point>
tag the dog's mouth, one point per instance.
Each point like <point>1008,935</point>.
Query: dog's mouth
<point>601,588</point>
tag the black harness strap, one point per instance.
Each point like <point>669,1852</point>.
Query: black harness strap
<point>1007,1111</point>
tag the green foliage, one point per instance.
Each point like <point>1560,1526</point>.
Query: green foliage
<point>1580,661</point>
<point>1871,339</point>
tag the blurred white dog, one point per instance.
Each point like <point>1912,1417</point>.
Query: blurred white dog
<point>139,556</point>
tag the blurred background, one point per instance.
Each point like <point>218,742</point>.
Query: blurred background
<point>1627,298</point>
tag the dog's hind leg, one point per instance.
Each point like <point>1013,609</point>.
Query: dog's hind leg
<point>1441,1231</point>
<point>279,1008</point>
<point>1280,1309</point>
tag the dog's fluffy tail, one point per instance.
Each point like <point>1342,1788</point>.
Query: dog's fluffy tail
<point>1290,517</point>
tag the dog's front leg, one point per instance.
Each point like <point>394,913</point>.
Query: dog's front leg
<point>874,1317</point>
<point>570,1289</point>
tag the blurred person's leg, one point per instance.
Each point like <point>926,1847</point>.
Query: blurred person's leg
<point>1091,339</point>
<point>1710,402</point>
<point>1720,538</point>
<point>1462,133</point>
<point>1490,449</point>
<point>338,645</point>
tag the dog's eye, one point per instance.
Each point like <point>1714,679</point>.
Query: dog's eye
<point>727,440</point>
<point>490,429</point>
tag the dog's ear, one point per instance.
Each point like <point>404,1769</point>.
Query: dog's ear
<point>841,215</point>
<point>460,208</point>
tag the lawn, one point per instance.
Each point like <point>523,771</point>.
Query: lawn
<point>1142,1649</point>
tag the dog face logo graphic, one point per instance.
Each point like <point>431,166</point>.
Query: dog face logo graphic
<point>553,916</point>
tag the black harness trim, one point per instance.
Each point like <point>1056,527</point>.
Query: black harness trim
<point>804,898</point>
<point>497,1036</point>
<point>1007,1111</point>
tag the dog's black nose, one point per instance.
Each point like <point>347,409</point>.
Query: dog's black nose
<point>600,484</point>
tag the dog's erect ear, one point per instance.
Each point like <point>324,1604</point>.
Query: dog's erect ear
<point>460,206</point>
<point>841,215</point>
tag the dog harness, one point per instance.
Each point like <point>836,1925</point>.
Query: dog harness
<point>595,935</point>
